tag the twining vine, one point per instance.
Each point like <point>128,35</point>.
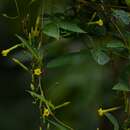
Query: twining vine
<point>55,27</point>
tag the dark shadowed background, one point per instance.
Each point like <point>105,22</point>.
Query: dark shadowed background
<point>84,83</point>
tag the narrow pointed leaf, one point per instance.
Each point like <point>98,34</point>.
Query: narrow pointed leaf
<point>121,87</point>
<point>62,105</point>
<point>115,44</point>
<point>100,57</point>
<point>113,120</point>
<point>52,30</point>
<point>69,26</point>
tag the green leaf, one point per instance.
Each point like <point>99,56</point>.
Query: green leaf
<point>113,120</point>
<point>122,15</point>
<point>115,44</point>
<point>100,57</point>
<point>69,26</point>
<point>121,87</point>
<point>52,30</point>
<point>42,99</point>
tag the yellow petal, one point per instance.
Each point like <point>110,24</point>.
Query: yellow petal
<point>100,22</point>
<point>5,52</point>
<point>46,112</point>
<point>37,71</point>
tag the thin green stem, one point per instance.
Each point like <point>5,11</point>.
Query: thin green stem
<point>17,7</point>
<point>9,17</point>
<point>20,64</point>
<point>62,123</point>
<point>41,36</point>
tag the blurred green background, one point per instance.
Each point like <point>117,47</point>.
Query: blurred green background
<point>82,81</point>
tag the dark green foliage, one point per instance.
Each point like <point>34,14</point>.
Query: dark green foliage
<point>83,48</point>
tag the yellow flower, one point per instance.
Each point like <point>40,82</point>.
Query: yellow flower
<point>99,22</point>
<point>37,71</point>
<point>97,128</point>
<point>35,31</point>
<point>101,112</point>
<point>5,52</point>
<point>46,112</point>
